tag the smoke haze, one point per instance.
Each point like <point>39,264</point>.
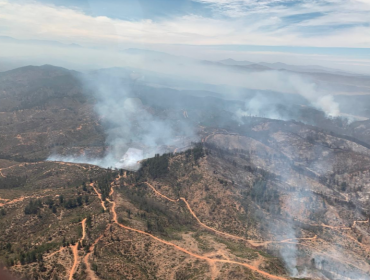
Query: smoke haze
<point>128,123</point>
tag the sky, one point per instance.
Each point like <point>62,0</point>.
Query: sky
<point>323,32</point>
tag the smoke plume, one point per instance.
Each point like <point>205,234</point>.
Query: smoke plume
<point>133,133</point>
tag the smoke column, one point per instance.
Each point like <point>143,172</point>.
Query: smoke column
<point>132,132</point>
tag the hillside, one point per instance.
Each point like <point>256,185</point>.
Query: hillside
<point>254,198</point>
<point>42,110</point>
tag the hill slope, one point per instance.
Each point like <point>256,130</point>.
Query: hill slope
<point>254,199</point>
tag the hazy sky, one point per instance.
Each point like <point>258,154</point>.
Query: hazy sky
<point>320,31</point>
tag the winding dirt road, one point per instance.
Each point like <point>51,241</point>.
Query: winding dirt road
<point>207,227</point>
<point>161,195</point>
<point>251,242</point>
<point>75,251</point>
<point>264,243</point>
<point>100,197</point>
<point>209,260</point>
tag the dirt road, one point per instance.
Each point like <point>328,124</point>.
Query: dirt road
<point>75,251</point>
<point>90,273</point>
<point>209,260</point>
<point>100,197</point>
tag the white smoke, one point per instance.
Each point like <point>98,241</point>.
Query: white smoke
<point>262,105</point>
<point>259,106</point>
<point>317,97</point>
<point>128,124</point>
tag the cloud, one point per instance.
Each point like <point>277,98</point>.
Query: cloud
<point>266,22</point>
<point>302,19</point>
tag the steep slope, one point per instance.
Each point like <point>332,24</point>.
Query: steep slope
<point>145,236</point>
<point>43,109</point>
<point>221,210</point>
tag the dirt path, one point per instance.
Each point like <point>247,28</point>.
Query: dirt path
<point>162,195</point>
<point>361,222</point>
<point>83,229</point>
<point>209,260</point>
<point>251,242</point>
<point>224,132</point>
<point>204,140</point>
<point>340,229</point>
<point>19,199</point>
<point>24,164</point>
<point>346,235</point>
<point>209,228</point>
<point>90,273</point>
<point>71,164</point>
<point>263,243</point>
<point>21,164</point>
<point>332,227</point>
<point>56,252</point>
<point>195,216</point>
<point>75,251</point>
<point>100,197</point>
<point>288,241</point>
<point>4,199</point>
<point>254,266</point>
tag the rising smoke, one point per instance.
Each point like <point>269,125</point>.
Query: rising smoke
<point>129,123</point>
<point>261,105</point>
<point>303,203</point>
<point>133,133</point>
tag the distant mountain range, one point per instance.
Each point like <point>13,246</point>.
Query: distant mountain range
<point>331,80</point>
<point>241,65</point>
<point>288,67</point>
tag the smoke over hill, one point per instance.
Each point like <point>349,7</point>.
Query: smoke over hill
<point>128,122</point>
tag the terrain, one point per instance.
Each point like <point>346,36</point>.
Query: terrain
<point>253,198</point>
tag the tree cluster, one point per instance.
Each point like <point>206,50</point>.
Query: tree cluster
<point>33,207</point>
